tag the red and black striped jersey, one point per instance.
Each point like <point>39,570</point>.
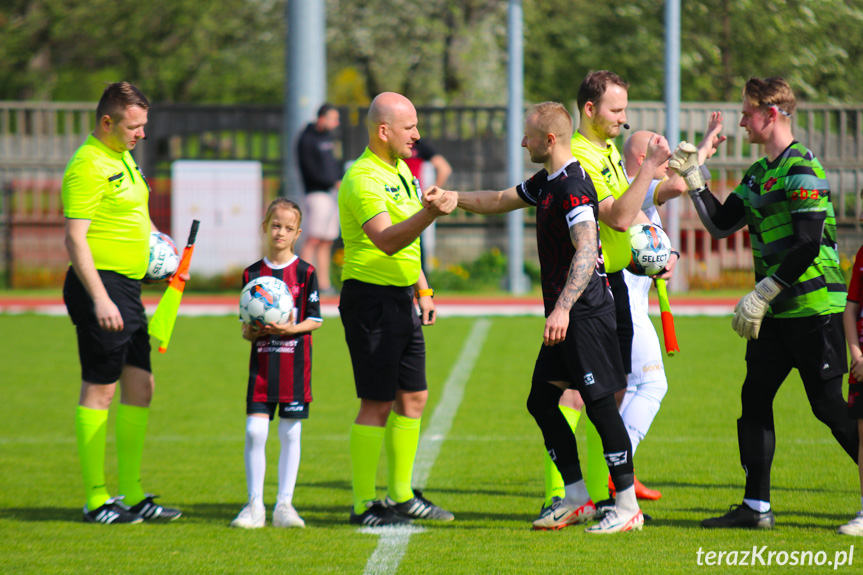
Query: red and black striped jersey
<point>280,368</point>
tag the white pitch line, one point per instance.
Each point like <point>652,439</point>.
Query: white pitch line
<point>394,540</point>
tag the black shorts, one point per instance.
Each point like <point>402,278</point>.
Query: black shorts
<point>292,410</point>
<point>625,329</point>
<point>588,359</point>
<point>385,338</point>
<point>104,353</point>
<point>814,345</point>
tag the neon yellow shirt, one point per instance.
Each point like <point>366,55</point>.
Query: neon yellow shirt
<point>107,188</point>
<point>369,188</point>
<point>605,168</point>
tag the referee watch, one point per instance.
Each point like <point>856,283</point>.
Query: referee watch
<point>424,292</point>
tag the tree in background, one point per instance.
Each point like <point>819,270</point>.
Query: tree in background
<point>434,52</point>
<point>814,44</point>
<point>437,52</point>
<point>176,50</point>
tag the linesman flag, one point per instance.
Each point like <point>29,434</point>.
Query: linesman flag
<point>668,333</point>
<point>162,323</point>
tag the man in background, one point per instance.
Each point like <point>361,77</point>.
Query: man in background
<point>321,178</point>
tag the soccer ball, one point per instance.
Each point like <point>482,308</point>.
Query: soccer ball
<point>266,300</point>
<point>650,249</point>
<point>164,258</point>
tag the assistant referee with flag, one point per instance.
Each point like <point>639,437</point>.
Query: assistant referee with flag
<point>107,236</point>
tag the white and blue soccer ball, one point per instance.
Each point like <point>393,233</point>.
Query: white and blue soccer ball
<point>266,300</point>
<point>164,258</point>
<point>650,249</point>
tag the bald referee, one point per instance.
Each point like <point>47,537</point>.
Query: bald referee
<point>382,217</point>
<point>107,236</point>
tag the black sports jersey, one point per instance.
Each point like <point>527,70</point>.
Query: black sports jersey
<point>280,368</point>
<point>557,200</point>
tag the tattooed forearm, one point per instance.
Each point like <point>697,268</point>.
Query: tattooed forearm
<point>583,236</point>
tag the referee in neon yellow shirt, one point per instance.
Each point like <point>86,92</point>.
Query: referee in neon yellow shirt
<point>382,216</point>
<point>107,236</point>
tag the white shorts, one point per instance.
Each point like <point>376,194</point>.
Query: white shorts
<point>646,352</point>
<point>321,217</point>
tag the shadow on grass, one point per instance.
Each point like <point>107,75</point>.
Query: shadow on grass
<point>660,485</point>
<point>42,514</point>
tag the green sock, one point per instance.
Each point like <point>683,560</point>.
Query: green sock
<point>596,477</point>
<point>553,481</point>
<point>366,443</point>
<point>131,428</point>
<point>401,441</point>
<point>91,429</point>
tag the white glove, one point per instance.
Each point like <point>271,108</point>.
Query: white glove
<point>684,161</point>
<point>752,308</point>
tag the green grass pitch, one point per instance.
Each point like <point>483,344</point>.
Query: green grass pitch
<point>488,472</point>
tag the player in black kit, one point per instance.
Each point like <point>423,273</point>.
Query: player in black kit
<point>576,295</point>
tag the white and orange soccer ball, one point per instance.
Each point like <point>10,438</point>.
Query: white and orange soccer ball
<point>650,249</point>
<point>266,300</point>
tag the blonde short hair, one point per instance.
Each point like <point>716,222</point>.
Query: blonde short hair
<point>552,118</point>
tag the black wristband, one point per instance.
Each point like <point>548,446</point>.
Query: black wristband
<point>677,253</point>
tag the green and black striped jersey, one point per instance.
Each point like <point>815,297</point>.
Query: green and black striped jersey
<point>793,186</point>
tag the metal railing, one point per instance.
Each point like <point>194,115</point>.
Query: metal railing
<point>38,138</point>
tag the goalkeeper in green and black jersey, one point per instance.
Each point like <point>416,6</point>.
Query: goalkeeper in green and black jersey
<point>793,317</point>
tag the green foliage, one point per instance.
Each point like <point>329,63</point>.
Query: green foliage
<point>489,471</point>
<point>487,272</point>
<point>814,44</point>
<point>175,50</point>
<point>434,52</point>
<point>437,52</point>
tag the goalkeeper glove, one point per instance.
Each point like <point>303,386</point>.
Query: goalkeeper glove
<point>752,308</point>
<point>684,161</point>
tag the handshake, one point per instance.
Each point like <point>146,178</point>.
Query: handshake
<point>439,202</point>
<point>688,158</point>
<point>685,161</point>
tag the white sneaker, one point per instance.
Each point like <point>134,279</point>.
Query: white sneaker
<point>561,514</point>
<point>284,515</point>
<point>853,527</point>
<point>251,517</point>
<point>617,521</point>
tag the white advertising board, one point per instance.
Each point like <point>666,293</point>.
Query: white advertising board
<point>226,196</point>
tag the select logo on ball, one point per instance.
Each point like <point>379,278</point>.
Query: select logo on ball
<point>650,249</point>
<point>164,258</point>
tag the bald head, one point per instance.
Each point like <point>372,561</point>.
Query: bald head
<point>634,152</point>
<point>635,148</point>
<point>386,106</point>
<point>392,124</point>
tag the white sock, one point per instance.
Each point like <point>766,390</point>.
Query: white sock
<point>626,501</point>
<point>640,408</point>
<point>289,458</point>
<point>257,429</point>
<point>759,506</point>
<point>576,493</point>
